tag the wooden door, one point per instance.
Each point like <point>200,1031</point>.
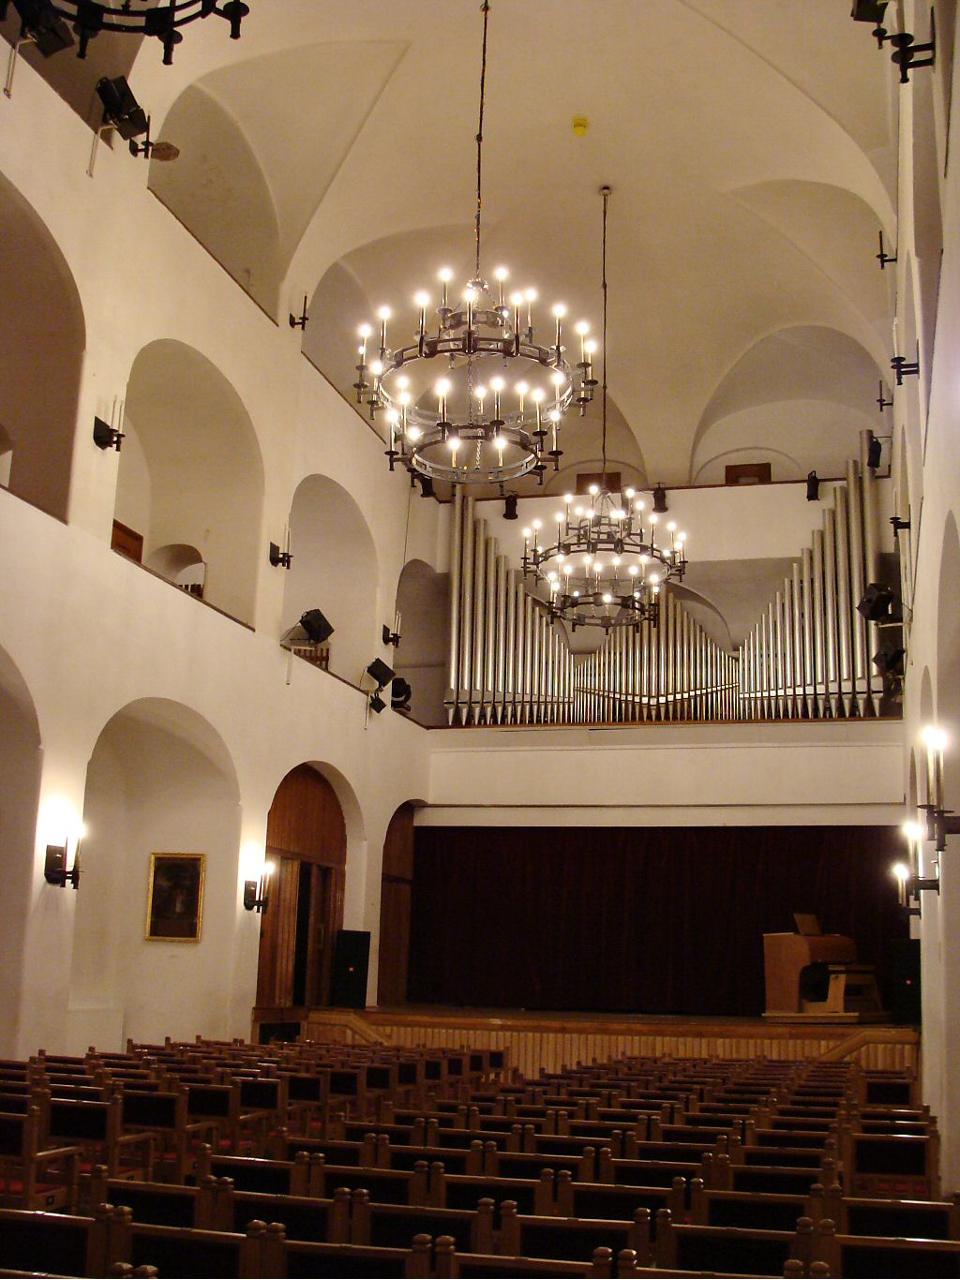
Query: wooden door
<point>306,841</point>
<point>395,891</point>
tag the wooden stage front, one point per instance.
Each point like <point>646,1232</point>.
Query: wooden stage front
<point>549,1041</point>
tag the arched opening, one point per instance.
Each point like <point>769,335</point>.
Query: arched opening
<point>191,475</point>
<point>334,570</point>
<point>19,790</point>
<point>396,886</point>
<point>307,849</point>
<point>180,564</point>
<point>423,602</point>
<point>42,336</point>
<point>148,961</point>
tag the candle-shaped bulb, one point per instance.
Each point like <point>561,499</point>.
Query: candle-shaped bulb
<point>607,598</point>
<point>421,298</point>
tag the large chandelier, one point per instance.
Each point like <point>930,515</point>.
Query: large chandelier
<point>610,558</point>
<point>473,396</point>
<point>43,20</point>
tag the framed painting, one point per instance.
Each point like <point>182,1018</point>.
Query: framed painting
<point>175,897</point>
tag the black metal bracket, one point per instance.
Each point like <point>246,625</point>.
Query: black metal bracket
<point>898,524</point>
<point>884,404</point>
<point>903,368</point>
<point>279,559</point>
<point>300,321</point>
<point>906,50</point>
<point>390,637</point>
<point>105,436</point>
<point>55,867</point>
<point>883,257</point>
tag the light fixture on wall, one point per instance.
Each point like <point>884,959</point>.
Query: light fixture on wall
<point>905,47</point>
<point>606,565</point>
<point>392,637</point>
<point>940,822</point>
<point>474,397</point>
<point>105,436</point>
<point>281,557</point>
<point>41,26</point>
<point>813,487</point>
<point>121,111</point>
<point>255,893</point>
<point>910,882</point>
<point>660,500</point>
<point>400,694</point>
<point>150,150</point>
<point>89,17</point>
<point>55,865</point>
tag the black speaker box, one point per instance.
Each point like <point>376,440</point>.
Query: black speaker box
<point>351,958</point>
<point>905,1001</point>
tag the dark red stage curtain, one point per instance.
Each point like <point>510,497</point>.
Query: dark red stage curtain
<point>666,920</point>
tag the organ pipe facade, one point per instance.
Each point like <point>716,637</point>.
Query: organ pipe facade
<point>807,656</point>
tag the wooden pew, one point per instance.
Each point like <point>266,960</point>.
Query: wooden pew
<point>192,1255</point>
<point>571,1239</point>
<point>396,1225</point>
<point>164,1116</point>
<point>60,1243</point>
<point>31,1176</point>
<point>731,1249</point>
<point>161,1203</point>
<point>97,1129</point>
<point>608,1200</point>
<point>849,1255</point>
<point>892,1164</point>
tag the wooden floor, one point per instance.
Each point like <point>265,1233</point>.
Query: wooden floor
<point>550,1041</point>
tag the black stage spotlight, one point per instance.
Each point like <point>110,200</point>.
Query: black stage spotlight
<point>316,626</point>
<point>41,23</point>
<point>875,603</point>
<point>889,662</point>
<point>813,487</point>
<point>380,672</point>
<point>400,694</point>
<point>660,500</point>
<point>510,506</point>
<point>874,452</point>
<point>120,107</point>
<point>377,704</point>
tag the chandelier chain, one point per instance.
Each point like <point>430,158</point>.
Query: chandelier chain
<point>603,345</point>
<point>483,88</point>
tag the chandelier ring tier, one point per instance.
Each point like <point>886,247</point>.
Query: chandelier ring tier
<point>610,559</point>
<point>162,20</point>
<point>473,396</point>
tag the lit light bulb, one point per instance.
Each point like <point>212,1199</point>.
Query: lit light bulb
<point>639,505</point>
<point>469,293</point>
<point>530,295</point>
<point>497,384</point>
<point>681,537</point>
<point>567,499</point>
<point>393,417</point>
<point>559,310</point>
<point>912,830</point>
<point>404,398</point>
<point>445,274</point>
<point>403,382</point>
<point>629,494</point>
<point>384,313</point>
<point>581,327</point>
<point>618,513</point>
<point>501,274</point>
<point>554,415</point>
<point>607,598</point>
<point>587,561</point>
<point>900,871</point>
<point>500,444</point>
<point>558,518</point>
<point>422,298</point>
<point>526,532</point>
<point>516,298</point>
<point>633,570</point>
<point>576,595</point>
<point>552,577</point>
<point>933,738</point>
<point>413,433</point>
<point>442,387</point>
<point>654,517</point>
<point>590,346</point>
<point>615,562</point>
<point>537,524</point>
<point>557,378</point>
<point>453,444</point>
<point>522,388</point>
<point>654,579</point>
<point>537,394</point>
<point>365,331</point>
<point>593,490</point>
<point>376,368</point>
<point>671,526</point>
<point>568,568</point>
<point>578,512</point>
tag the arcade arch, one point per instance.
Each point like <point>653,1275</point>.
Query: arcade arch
<point>43,335</point>
<point>192,474</point>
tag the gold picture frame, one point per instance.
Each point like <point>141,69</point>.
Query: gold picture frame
<point>175,897</point>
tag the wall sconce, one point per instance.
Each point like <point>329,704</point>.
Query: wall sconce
<point>902,368</point>
<point>510,506</point>
<point>150,150</point>
<point>55,865</point>
<point>40,25</point>
<point>255,896</point>
<point>105,436</point>
<point>910,883</point>
<point>300,321</point>
<point>281,558</point>
<point>813,487</point>
<point>660,500</point>
<point>392,637</point>
<point>940,822</point>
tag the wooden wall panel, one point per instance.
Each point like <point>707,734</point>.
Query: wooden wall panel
<point>306,819</point>
<point>398,845</point>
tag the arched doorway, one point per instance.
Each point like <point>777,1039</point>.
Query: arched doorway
<point>307,848</point>
<point>396,884</point>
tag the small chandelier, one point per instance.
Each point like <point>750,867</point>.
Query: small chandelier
<point>128,17</point>
<point>609,560</point>
<point>492,411</point>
